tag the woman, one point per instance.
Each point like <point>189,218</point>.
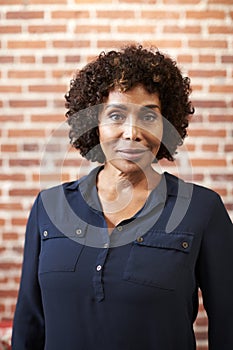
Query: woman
<point>114,261</point>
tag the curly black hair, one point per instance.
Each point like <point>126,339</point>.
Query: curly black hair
<point>124,69</point>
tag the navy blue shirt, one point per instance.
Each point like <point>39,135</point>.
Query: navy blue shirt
<point>136,289</point>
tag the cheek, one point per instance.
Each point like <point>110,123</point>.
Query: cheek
<point>106,133</point>
<point>154,136</point>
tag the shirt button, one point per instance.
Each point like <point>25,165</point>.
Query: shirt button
<point>78,231</point>
<point>185,245</point>
<point>106,245</point>
<point>139,239</point>
<point>45,233</point>
<point>99,267</point>
<point>119,228</point>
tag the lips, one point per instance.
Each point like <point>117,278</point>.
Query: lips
<point>131,153</point>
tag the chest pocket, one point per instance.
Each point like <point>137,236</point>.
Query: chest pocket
<point>58,251</point>
<point>159,259</point>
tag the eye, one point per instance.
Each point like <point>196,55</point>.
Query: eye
<point>116,117</point>
<point>149,117</point>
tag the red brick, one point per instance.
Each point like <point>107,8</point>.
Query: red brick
<point>19,221</point>
<point>46,28</point>
<point>207,133</point>
<point>25,192</point>
<point>58,103</point>
<point>220,2</point>
<point>47,88</point>
<point>24,162</point>
<point>157,14</point>
<point>181,2</point>
<point>27,104</point>
<point>222,177</point>
<point>185,58</point>
<point>6,59</point>
<point>10,29</point>
<point>115,14</point>
<point>220,118</point>
<point>92,1</point>
<point>10,236</point>
<point>210,147</point>
<point>205,162</point>
<point>72,59</point>
<point>69,162</point>
<point>92,28</point>
<point>136,29</point>
<point>10,2</point>
<point>2,308</point>
<point>10,88</point>
<point>52,148</point>
<point>10,206</point>
<point>210,104</point>
<point>201,321</point>
<point>207,58</point>
<point>26,133</point>
<point>221,44</point>
<point>44,118</point>
<point>201,335</point>
<point>190,147</point>
<point>31,147</point>
<point>9,148</point>
<point>164,44</point>
<point>63,177</point>
<point>223,89</point>
<point>27,59</point>
<point>26,74</point>
<point>195,177</point>
<point>24,14</point>
<point>46,2</point>
<point>69,14</point>
<point>66,44</point>
<point>2,223</point>
<point>228,147</point>
<point>182,29</point>
<point>12,177</point>
<point>18,118</point>
<point>50,59</point>
<point>205,14</point>
<point>196,87</point>
<point>26,44</point>
<point>59,73</point>
<point>227,59</point>
<point>8,293</point>
<point>220,29</point>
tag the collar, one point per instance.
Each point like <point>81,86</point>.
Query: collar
<point>174,185</point>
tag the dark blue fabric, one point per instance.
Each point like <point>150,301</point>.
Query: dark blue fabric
<point>137,289</point>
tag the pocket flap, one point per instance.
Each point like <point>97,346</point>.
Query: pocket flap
<point>175,240</point>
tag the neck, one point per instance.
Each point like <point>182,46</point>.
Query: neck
<point>112,178</point>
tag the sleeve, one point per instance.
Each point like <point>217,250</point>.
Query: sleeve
<point>215,270</point>
<point>28,324</point>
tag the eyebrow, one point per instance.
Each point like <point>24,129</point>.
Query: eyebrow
<point>124,107</point>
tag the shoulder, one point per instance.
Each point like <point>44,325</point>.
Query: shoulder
<point>191,188</point>
<point>199,198</point>
<point>197,204</point>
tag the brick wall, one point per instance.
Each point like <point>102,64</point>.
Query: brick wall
<point>43,41</point>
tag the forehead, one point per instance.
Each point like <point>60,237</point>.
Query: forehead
<point>137,95</point>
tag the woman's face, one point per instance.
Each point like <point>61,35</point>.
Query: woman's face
<point>130,128</point>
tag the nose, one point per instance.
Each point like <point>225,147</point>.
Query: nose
<point>131,131</point>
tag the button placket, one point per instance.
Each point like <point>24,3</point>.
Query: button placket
<point>98,275</point>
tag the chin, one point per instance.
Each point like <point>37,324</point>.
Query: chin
<point>127,166</point>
